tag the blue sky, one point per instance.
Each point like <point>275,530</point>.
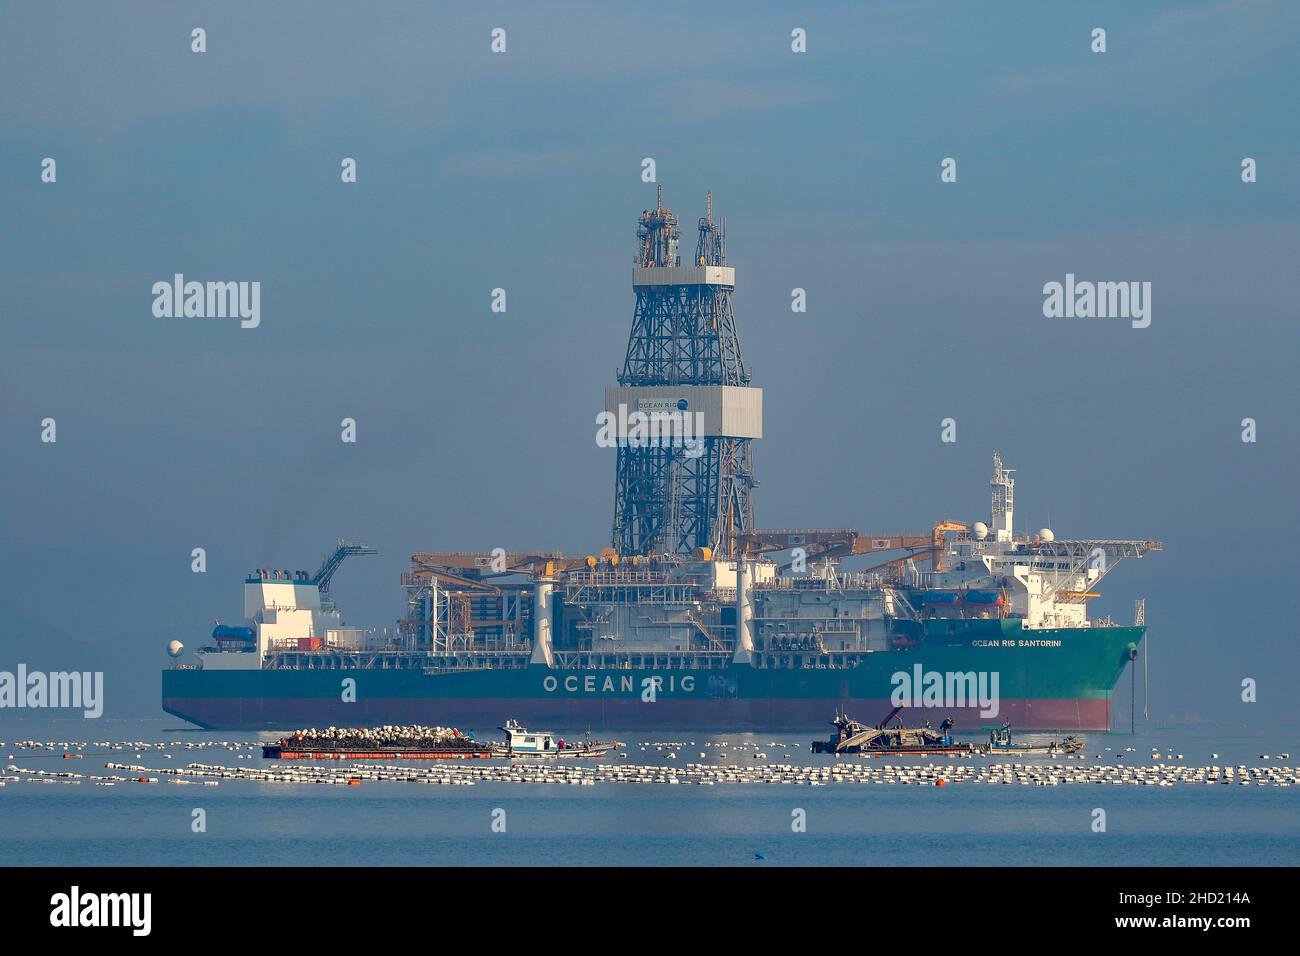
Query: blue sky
<point>522,171</point>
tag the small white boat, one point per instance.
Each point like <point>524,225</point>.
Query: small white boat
<point>521,742</point>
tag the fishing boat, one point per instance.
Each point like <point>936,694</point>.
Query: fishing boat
<point>1000,742</point>
<point>521,742</point>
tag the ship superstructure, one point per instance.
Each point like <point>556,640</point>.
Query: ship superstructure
<point>287,612</point>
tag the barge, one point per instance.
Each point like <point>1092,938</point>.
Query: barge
<point>385,743</point>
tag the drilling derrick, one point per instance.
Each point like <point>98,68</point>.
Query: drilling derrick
<point>683,375</point>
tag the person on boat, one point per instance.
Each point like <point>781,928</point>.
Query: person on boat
<point>561,743</point>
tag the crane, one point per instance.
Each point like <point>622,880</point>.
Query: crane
<point>847,542</point>
<point>332,562</point>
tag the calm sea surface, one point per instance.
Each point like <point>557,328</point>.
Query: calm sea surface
<point>250,823</point>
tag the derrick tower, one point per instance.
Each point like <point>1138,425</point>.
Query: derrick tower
<point>683,370</point>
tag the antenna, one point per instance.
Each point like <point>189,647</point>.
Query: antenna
<point>1140,619</point>
<point>1004,499</point>
<point>711,249</point>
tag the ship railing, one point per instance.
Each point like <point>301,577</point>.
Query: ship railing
<point>857,580</point>
<point>454,667</point>
<point>821,532</point>
<point>618,578</point>
<point>513,650</point>
<point>861,579</point>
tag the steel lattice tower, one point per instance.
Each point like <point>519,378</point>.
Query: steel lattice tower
<point>683,354</point>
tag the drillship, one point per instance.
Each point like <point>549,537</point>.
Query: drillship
<point>693,618</point>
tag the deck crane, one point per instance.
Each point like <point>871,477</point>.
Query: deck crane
<point>332,562</point>
<point>846,542</point>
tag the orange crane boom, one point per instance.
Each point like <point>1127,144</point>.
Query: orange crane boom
<point>846,542</point>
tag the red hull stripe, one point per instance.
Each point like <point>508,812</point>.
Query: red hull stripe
<point>570,714</point>
<point>380,755</point>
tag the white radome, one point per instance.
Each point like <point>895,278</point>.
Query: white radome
<point>981,530</point>
<point>175,648</point>
<point>1045,534</point>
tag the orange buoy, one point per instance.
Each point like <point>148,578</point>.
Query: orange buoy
<point>354,783</point>
<point>941,782</point>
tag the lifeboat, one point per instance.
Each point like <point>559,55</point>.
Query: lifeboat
<point>939,597</point>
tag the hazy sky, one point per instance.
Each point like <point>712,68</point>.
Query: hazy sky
<point>522,171</point>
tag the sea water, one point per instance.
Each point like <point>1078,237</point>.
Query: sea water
<point>501,824</point>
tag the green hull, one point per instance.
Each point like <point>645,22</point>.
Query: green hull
<point>1044,679</point>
